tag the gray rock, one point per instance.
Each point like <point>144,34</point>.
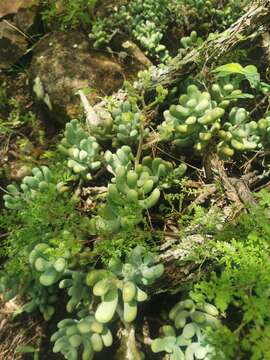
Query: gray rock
<point>62,64</point>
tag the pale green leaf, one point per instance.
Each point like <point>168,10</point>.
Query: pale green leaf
<point>25,349</point>
<point>228,69</point>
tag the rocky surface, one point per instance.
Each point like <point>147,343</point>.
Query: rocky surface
<point>62,64</point>
<point>13,6</point>
<point>14,30</point>
<point>12,44</point>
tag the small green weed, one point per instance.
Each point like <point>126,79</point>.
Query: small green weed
<point>121,244</point>
<point>240,287</point>
<point>68,14</point>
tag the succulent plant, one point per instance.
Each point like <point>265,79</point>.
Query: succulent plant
<point>132,190</point>
<point>226,92</point>
<point>121,283</point>
<point>148,34</point>
<point>206,15</point>
<point>194,121</point>
<point>122,157</point>
<point>226,15</point>
<point>9,286</point>
<point>81,149</point>
<point>127,124</point>
<point>42,298</point>
<point>193,40</point>
<point>39,181</point>
<point>238,133</point>
<point>100,34</point>
<point>50,267</point>
<point>264,130</point>
<point>198,120</point>
<point>186,340</point>
<point>76,335</point>
<point>78,292</point>
<point>145,21</point>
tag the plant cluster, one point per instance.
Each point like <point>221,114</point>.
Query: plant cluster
<point>134,189</point>
<point>145,21</point>
<point>50,267</point>
<point>85,333</point>
<point>50,264</point>
<point>40,181</point>
<point>61,251</point>
<point>82,150</point>
<point>241,286</point>
<point>192,40</point>
<point>204,119</point>
<point>50,257</point>
<point>127,124</point>
<point>126,279</point>
<point>199,13</point>
<point>187,338</point>
<point>124,125</point>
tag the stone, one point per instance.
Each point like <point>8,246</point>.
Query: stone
<point>62,64</point>
<point>14,30</point>
<point>12,44</point>
<point>25,19</point>
<point>12,6</point>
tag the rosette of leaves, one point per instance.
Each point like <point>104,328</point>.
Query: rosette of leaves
<point>122,157</point>
<point>193,40</point>
<point>127,198</point>
<point>127,124</point>
<point>193,122</point>
<point>78,292</point>
<point>238,134</point>
<point>42,298</point>
<point>82,150</point>
<point>132,190</point>
<point>119,287</point>
<point>100,34</point>
<point>264,130</point>
<point>50,266</point>
<point>159,170</point>
<point>85,335</point>
<point>30,185</point>
<point>149,36</point>
<point>186,339</point>
<point>226,92</point>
